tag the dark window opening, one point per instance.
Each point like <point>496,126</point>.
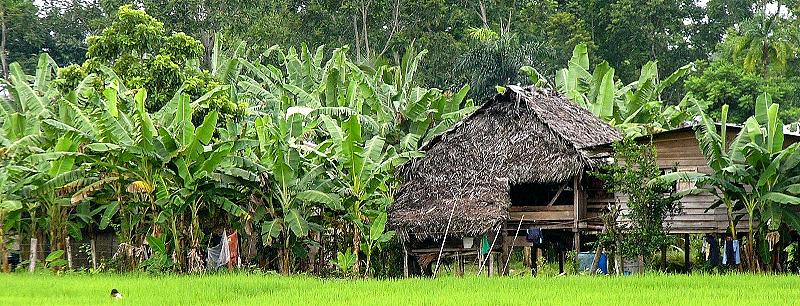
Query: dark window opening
<point>529,194</point>
<point>596,189</point>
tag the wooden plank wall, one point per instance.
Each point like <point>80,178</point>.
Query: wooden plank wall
<point>681,150</point>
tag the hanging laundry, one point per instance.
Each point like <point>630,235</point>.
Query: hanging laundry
<point>711,250</point>
<point>233,250</point>
<point>534,235</point>
<point>731,254</point>
<point>218,255</point>
<point>485,245</point>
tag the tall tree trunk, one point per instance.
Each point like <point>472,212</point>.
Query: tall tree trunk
<point>482,14</point>
<point>3,38</point>
<point>356,248</point>
<point>364,34</point>
<point>285,257</point>
<point>3,251</point>
<point>765,59</point>
<point>357,38</point>
<point>752,259</point>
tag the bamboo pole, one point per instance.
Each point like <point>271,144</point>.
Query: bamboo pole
<point>444,239</point>
<point>508,257</point>
<point>483,263</point>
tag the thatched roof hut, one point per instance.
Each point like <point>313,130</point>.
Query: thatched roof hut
<point>527,135</point>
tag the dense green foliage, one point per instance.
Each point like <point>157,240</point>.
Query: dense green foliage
<point>149,127</point>
<point>309,168</point>
<point>272,290</point>
<point>650,200</point>
<point>636,108</point>
<point>627,34</point>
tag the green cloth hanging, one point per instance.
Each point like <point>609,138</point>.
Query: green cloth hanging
<point>485,245</point>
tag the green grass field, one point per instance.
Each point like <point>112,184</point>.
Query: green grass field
<point>237,289</point>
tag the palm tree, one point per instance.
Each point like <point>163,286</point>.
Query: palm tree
<point>496,60</point>
<point>764,43</point>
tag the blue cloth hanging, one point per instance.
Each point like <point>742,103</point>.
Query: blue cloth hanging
<point>603,263</point>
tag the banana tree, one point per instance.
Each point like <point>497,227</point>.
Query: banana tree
<point>637,108</point>
<point>363,172</point>
<point>386,99</point>
<point>755,172</point>
<point>294,189</point>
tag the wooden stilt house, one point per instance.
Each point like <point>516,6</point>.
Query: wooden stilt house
<point>519,161</point>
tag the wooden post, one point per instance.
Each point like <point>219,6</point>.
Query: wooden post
<point>505,256</point>
<point>94,255</point>
<point>597,250</point>
<point>32,258</point>
<point>526,256</point>
<point>560,262</point>
<point>534,261</point>
<point>579,212</point>
<point>69,254</point>
<point>460,265</point>
<point>490,271</point>
<point>686,252</point>
<point>576,204</point>
<point>664,257</point>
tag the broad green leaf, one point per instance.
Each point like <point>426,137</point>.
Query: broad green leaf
<point>54,255</point>
<point>206,130</point>
<point>297,223</point>
<point>65,163</point>
<point>158,244</point>
<point>580,56</point>
<point>102,147</point>
<point>9,206</point>
<point>147,129</point>
<point>377,227</point>
<point>604,106</point>
<point>270,230</point>
<point>330,201</point>
<point>30,102</point>
<point>763,103</point>
<point>781,198</point>
<point>109,212</point>
<point>110,101</point>
<point>184,129</point>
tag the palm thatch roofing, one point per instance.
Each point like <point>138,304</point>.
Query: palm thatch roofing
<point>526,135</point>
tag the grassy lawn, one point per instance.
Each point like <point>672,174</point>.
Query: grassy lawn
<point>237,289</point>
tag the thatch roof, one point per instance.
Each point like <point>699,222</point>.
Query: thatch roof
<point>527,135</point>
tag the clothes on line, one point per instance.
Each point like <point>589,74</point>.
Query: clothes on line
<point>534,235</point>
<point>225,253</point>
<point>711,250</point>
<point>731,255</point>
<point>485,245</point>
